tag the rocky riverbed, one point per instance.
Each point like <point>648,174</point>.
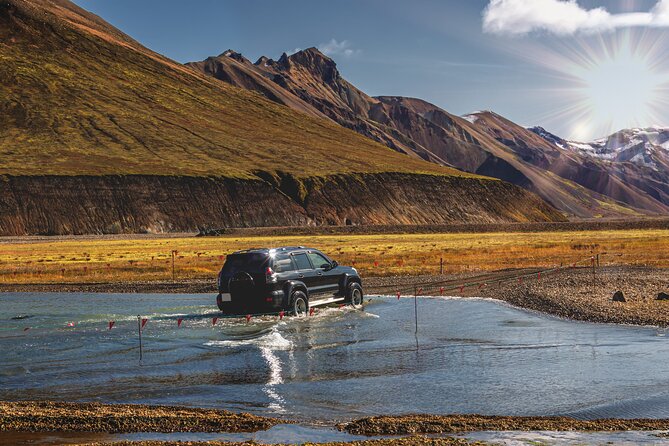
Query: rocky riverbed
<point>45,416</point>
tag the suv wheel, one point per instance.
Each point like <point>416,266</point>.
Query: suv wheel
<point>299,304</point>
<point>354,295</point>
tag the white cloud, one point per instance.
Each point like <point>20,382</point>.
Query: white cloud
<point>334,48</point>
<point>564,17</point>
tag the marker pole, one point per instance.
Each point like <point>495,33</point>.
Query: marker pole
<point>139,332</point>
<point>415,307</point>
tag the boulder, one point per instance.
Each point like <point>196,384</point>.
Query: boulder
<point>618,296</point>
<point>662,296</point>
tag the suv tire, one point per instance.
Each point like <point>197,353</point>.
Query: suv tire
<point>299,303</point>
<point>354,295</point>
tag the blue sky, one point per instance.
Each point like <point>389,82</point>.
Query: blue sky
<point>437,50</point>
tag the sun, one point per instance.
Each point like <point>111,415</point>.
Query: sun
<point>599,84</point>
<point>618,89</point>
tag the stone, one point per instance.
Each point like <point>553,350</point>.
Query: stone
<point>618,296</point>
<point>662,296</point>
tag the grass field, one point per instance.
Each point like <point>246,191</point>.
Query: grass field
<point>146,259</point>
<point>88,100</point>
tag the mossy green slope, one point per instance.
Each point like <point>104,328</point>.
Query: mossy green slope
<point>78,97</point>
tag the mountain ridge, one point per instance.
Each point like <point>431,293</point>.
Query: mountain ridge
<point>100,134</point>
<point>493,147</point>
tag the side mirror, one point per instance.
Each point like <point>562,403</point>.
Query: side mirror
<point>335,264</point>
<point>326,266</point>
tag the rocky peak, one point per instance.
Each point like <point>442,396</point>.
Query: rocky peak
<point>264,61</point>
<point>234,55</point>
<point>315,62</point>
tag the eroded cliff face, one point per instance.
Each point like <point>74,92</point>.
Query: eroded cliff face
<point>60,205</point>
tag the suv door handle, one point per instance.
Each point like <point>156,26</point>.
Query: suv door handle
<point>320,273</point>
<point>301,276</point>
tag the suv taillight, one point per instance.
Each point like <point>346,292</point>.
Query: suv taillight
<point>269,275</point>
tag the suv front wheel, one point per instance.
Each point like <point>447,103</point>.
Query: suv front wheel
<point>354,295</point>
<point>299,304</point>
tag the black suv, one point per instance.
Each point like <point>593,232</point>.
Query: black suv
<point>288,279</point>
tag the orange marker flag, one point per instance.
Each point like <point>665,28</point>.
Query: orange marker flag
<point>144,321</point>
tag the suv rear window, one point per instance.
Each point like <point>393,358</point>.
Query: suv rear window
<point>253,263</point>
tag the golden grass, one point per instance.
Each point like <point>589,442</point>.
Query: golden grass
<point>147,259</point>
<point>93,107</point>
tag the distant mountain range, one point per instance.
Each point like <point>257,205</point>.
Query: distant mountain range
<point>100,134</point>
<point>624,175</point>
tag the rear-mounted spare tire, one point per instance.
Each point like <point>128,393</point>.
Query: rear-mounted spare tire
<point>241,285</point>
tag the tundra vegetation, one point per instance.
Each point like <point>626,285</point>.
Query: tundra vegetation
<point>146,258</point>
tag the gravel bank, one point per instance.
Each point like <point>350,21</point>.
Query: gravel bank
<point>44,416</point>
<point>435,424</point>
<point>409,441</point>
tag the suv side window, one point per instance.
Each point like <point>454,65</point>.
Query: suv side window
<point>302,261</point>
<point>283,262</point>
<point>318,260</point>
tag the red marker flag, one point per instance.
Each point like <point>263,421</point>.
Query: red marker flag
<point>539,276</point>
<point>311,311</point>
<point>420,290</point>
<point>462,289</point>
<point>341,306</point>
<point>520,280</point>
<point>70,324</point>
<point>248,318</point>
<point>281,313</point>
<point>376,263</point>
<point>398,295</point>
<point>111,324</point>
<point>481,285</point>
<point>144,321</point>
<point>213,321</point>
<point>441,291</point>
<point>179,321</point>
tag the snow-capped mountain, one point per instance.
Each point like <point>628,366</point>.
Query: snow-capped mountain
<point>647,147</point>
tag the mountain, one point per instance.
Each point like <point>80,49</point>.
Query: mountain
<point>100,134</point>
<point>544,150</point>
<point>637,157</point>
<point>415,127</point>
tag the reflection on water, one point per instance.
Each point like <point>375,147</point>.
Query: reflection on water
<point>474,356</point>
